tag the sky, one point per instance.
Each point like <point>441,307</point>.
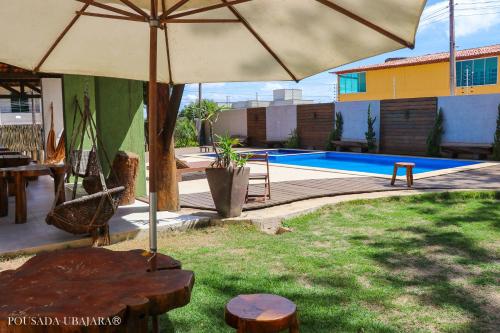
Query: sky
<point>477,24</point>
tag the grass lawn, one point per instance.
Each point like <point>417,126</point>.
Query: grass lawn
<point>426,263</point>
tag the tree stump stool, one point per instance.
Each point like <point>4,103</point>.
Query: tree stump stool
<point>261,313</point>
<point>124,173</point>
<point>409,172</point>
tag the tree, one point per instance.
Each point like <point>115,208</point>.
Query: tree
<point>336,133</point>
<point>435,136</point>
<point>496,141</point>
<point>370,135</point>
<point>208,111</point>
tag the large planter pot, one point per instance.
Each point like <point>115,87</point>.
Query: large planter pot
<point>228,188</point>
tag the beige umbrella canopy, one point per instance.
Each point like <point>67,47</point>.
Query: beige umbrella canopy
<point>208,40</point>
<point>185,41</point>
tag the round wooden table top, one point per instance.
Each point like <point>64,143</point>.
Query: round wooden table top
<point>405,164</point>
<point>271,310</point>
<point>94,283</point>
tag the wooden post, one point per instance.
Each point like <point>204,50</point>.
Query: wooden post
<point>167,187</point>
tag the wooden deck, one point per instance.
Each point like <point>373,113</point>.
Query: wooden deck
<point>287,192</point>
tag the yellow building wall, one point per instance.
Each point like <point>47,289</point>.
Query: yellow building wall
<point>411,82</point>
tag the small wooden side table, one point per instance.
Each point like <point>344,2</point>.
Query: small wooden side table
<point>205,149</point>
<point>409,172</point>
<point>261,313</point>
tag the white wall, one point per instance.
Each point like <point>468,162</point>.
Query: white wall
<point>18,118</point>
<point>469,119</point>
<point>355,118</point>
<point>52,93</point>
<point>280,122</point>
<point>232,122</point>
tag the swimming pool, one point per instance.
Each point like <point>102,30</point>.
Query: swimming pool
<point>369,163</point>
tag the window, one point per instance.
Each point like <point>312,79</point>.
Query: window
<point>352,83</point>
<point>477,72</point>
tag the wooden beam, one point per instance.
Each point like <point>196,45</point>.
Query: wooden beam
<point>9,88</point>
<point>172,9</point>
<point>61,36</point>
<point>33,87</point>
<point>108,8</point>
<point>200,21</point>
<point>116,17</point>
<point>367,23</point>
<point>261,41</point>
<point>135,8</point>
<point>206,9</point>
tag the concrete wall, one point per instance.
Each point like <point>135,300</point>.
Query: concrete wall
<point>355,118</point>
<point>280,122</point>
<point>52,93</point>
<point>469,119</point>
<point>232,122</point>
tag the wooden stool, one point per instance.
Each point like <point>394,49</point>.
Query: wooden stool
<point>261,313</point>
<point>409,172</point>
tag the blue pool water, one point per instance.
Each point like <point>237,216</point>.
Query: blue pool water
<point>370,163</point>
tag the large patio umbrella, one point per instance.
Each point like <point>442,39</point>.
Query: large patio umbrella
<point>186,41</point>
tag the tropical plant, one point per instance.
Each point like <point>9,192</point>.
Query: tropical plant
<point>336,133</point>
<point>293,140</point>
<point>226,155</point>
<point>185,133</point>
<point>206,111</point>
<point>496,141</point>
<point>371,138</point>
<point>435,136</point>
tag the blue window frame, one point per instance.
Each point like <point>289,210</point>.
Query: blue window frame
<point>477,72</point>
<point>352,83</point>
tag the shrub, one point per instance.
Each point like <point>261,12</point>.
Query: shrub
<point>336,133</point>
<point>185,133</point>
<point>435,136</point>
<point>293,140</point>
<point>496,140</point>
<point>371,138</point>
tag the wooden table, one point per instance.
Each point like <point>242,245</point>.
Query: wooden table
<point>96,283</point>
<point>9,152</point>
<point>14,160</point>
<point>58,171</point>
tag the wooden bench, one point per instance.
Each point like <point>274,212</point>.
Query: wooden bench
<point>480,150</point>
<point>349,145</point>
<point>189,167</point>
<point>275,143</point>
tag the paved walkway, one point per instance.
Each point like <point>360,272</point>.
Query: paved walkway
<point>291,191</point>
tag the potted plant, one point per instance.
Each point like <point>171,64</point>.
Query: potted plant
<point>228,177</point>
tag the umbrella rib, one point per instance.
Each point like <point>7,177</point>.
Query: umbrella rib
<point>117,17</point>
<point>259,38</point>
<point>201,21</point>
<point>61,36</point>
<point>108,8</point>
<point>206,9</point>
<point>167,44</point>
<point>174,8</point>
<point>135,8</point>
<point>367,23</point>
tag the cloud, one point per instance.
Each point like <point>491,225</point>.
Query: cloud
<point>191,97</point>
<point>269,86</point>
<point>471,17</point>
<point>214,85</point>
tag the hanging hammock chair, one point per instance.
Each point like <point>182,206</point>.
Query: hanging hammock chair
<point>88,214</point>
<point>54,155</point>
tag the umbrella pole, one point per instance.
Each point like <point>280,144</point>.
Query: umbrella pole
<point>153,138</point>
<point>153,130</point>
